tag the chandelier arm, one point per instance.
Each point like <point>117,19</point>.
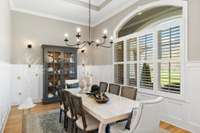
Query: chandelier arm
<point>104,41</point>
<point>93,43</point>
<point>84,42</point>
<point>83,45</point>
<point>104,46</point>
<point>70,44</point>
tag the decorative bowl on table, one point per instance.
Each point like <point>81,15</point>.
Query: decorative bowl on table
<point>101,98</point>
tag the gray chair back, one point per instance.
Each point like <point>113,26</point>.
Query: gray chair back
<point>78,109</point>
<point>103,86</point>
<point>67,102</point>
<point>129,92</point>
<point>60,95</point>
<point>114,89</point>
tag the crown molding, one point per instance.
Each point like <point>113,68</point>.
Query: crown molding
<point>115,13</point>
<point>86,4</point>
<point>48,16</point>
<point>14,8</point>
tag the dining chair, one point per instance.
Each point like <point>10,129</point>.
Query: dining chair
<point>145,118</point>
<point>129,92</point>
<point>60,96</point>
<point>114,89</point>
<point>69,118</point>
<point>103,86</point>
<point>84,122</point>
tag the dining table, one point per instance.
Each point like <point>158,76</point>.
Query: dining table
<point>116,109</point>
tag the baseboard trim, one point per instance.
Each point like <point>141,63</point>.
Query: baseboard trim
<point>188,126</point>
<point>5,119</point>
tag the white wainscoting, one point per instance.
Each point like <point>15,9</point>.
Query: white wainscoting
<point>184,114</point>
<point>4,93</point>
<point>28,81</point>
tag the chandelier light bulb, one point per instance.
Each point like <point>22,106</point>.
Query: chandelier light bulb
<point>78,40</point>
<point>78,30</point>
<point>111,38</point>
<point>97,41</point>
<point>66,35</point>
<point>105,32</point>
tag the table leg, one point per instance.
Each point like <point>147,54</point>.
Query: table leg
<point>102,128</point>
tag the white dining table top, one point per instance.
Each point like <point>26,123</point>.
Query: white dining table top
<point>117,108</point>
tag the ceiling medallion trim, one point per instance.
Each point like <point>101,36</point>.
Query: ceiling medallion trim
<point>85,4</point>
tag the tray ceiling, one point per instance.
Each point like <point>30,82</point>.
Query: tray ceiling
<point>75,11</point>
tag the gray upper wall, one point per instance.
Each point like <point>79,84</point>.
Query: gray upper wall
<point>5,31</point>
<point>42,30</point>
<point>39,30</point>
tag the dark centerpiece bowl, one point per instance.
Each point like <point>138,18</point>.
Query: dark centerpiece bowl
<point>101,98</point>
<point>98,95</point>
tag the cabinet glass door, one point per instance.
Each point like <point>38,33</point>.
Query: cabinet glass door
<point>54,72</point>
<point>69,65</point>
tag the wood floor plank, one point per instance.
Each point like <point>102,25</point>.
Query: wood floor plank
<point>14,123</point>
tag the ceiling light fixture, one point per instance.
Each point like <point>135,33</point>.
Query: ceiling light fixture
<point>80,44</point>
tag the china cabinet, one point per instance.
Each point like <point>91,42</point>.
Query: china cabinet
<point>59,64</point>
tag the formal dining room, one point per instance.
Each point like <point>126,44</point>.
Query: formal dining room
<point>99,66</point>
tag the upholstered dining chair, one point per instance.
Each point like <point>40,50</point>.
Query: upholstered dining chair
<point>103,86</point>
<point>84,122</point>
<point>129,92</point>
<point>60,96</point>
<point>145,118</point>
<point>114,89</point>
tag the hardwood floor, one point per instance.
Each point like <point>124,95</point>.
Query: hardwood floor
<point>14,123</point>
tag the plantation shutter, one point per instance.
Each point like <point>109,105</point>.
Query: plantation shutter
<point>119,52</point>
<point>146,47</point>
<point>169,43</point>
<point>169,49</point>
<point>146,55</point>
<point>146,75</point>
<point>119,66</point>
<point>132,74</point>
<point>119,73</point>
<point>170,77</point>
<point>132,49</point>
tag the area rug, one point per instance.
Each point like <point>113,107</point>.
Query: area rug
<point>47,122</point>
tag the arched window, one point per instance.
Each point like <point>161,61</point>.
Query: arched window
<point>149,49</point>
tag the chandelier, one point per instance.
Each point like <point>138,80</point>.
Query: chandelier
<point>80,44</point>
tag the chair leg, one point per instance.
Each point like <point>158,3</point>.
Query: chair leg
<point>108,128</point>
<point>66,122</point>
<point>73,126</point>
<point>76,129</point>
<point>60,115</point>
